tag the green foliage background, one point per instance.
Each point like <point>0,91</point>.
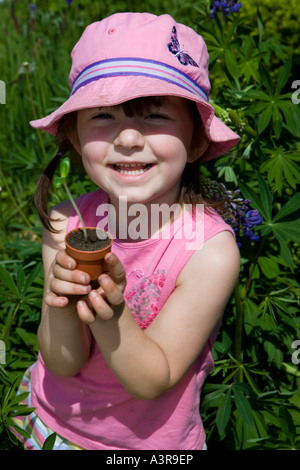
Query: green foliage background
<point>251,400</point>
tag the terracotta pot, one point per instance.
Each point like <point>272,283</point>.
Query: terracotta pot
<point>91,262</point>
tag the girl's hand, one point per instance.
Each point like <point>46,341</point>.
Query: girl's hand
<point>107,301</point>
<point>65,282</point>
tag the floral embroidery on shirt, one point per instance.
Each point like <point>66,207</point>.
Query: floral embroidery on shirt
<point>143,299</point>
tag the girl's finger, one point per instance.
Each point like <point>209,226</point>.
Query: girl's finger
<point>64,288</point>
<point>111,290</point>
<point>76,276</point>
<point>56,301</point>
<point>65,260</point>
<point>116,270</point>
<point>99,307</point>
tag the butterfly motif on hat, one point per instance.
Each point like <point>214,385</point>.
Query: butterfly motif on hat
<point>174,47</point>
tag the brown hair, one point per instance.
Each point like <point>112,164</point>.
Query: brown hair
<point>190,182</point>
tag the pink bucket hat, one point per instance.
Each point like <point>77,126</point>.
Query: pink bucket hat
<point>131,55</point>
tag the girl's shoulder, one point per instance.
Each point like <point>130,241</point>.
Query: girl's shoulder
<point>92,199</point>
<point>218,257</point>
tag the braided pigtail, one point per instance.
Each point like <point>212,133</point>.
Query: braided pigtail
<point>66,136</point>
<point>43,186</point>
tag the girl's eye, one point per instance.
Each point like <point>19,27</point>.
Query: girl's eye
<point>156,116</point>
<point>103,116</point>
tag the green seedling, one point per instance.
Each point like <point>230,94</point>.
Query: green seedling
<point>58,181</point>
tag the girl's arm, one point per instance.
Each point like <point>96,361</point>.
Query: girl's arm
<point>150,362</point>
<point>64,340</point>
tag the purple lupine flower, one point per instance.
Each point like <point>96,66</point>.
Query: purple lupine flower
<point>235,7</point>
<point>241,218</point>
<point>225,6</point>
<point>32,9</point>
<point>254,217</point>
<point>69,2</point>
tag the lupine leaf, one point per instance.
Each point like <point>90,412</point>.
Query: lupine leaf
<point>243,406</point>
<point>264,119</point>
<point>7,279</point>
<point>49,442</point>
<point>223,413</point>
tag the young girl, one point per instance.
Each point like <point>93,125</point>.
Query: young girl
<point>122,366</point>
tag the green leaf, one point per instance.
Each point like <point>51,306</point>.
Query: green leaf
<point>264,119</point>
<point>231,64</point>
<point>9,394</point>
<point>64,167</point>
<point>21,431</point>
<point>4,377</point>
<point>283,75</point>
<point>230,175</point>
<point>58,181</point>
<point>286,255</point>
<point>265,78</point>
<point>250,380</point>
<point>291,172</point>
<point>20,279</point>
<point>21,410</point>
<point>7,279</point>
<point>277,121</point>
<point>265,195</point>
<point>32,276</point>
<point>269,267</point>
<point>260,25</point>
<point>291,114</point>
<point>243,406</point>
<point>282,165</point>
<point>49,442</point>
<point>262,200</point>
<point>286,423</point>
<point>18,398</point>
<point>257,107</point>
<point>30,339</point>
<point>224,412</point>
<point>284,231</point>
<point>291,206</point>
<point>249,69</point>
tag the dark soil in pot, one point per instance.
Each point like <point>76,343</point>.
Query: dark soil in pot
<point>91,243</point>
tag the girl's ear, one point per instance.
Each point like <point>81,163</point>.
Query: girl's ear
<point>199,146</point>
<point>74,139</point>
<point>68,130</point>
<point>72,136</point>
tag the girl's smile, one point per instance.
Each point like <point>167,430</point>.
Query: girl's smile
<point>132,169</point>
<point>141,156</point>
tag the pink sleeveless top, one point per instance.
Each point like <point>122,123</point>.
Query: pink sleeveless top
<point>92,409</point>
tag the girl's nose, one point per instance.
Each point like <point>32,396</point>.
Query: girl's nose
<point>129,137</point>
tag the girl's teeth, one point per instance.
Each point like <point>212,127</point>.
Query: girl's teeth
<point>132,169</point>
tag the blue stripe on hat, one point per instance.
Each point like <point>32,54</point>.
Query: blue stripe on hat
<point>136,66</point>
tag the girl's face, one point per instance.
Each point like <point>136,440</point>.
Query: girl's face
<point>140,156</point>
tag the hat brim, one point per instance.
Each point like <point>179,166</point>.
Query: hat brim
<point>116,90</point>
